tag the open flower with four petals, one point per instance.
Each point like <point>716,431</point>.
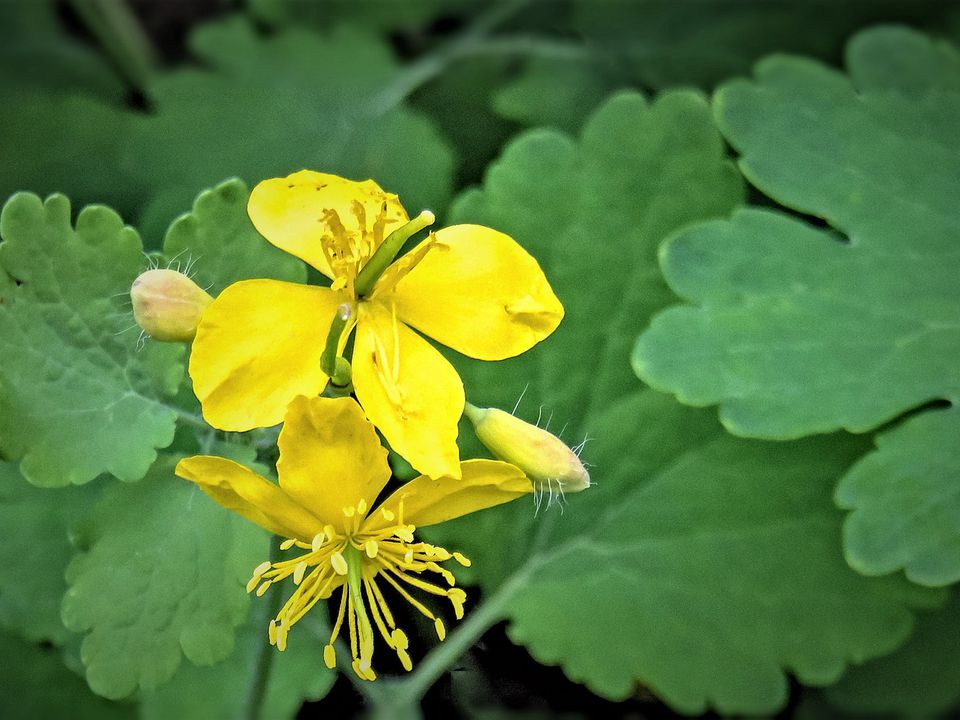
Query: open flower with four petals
<point>332,469</point>
<point>260,343</point>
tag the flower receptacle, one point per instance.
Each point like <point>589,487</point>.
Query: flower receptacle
<point>541,455</point>
<point>168,305</point>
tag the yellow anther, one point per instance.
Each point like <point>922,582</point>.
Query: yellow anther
<point>339,563</point>
<point>350,511</point>
<point>282,636</point>
<point>372,548</point>
<point>408,557</point>
<point>441,630</point>
<point>263,588</point>
<point>330,657</point>
<point>287,544</point>
<point>362,506</point>
<point>329,532</point>
<point>399,639</point>
<point>298,572</point>
<point>272,632</point>
<point>387,514</point>
<point>462,559</point>
<point>252,583</point>
<point>317,542</point>
<point>457,598</point>
<point>405,660</point>
<point>262,568</point>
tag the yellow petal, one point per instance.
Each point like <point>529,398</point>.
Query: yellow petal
<point>258,347</point>
<point>483,484</point>
<point>240,489</point>
<point>409,391</point>
<point>477,291</point>
<point>330,457</point>
<point>290,212</point>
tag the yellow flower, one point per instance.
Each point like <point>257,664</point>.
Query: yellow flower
<point>471,288</point>
<point>332,469</point>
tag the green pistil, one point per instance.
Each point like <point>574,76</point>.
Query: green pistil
<point>388,250</point>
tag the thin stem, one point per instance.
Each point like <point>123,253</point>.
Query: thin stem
<point>118,31</point>
<point>190,418</point>
<point>410,690</point>
<point>263,651</point>
<point>425,69</point>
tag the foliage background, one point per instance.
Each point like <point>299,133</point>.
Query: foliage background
<point>765,193</point>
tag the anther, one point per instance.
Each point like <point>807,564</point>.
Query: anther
<point>441,630</point>
<point>372,548</point>
<point>462,559</point>
<point>287,544</point>
<point>298,572</point>
<point>339,563</point>
<point>330,657</point>
<point>317,542</point>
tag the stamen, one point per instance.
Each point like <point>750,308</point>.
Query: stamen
<point>272,632</point>
<point>287,544</point>
<point>317,541</point>
<point>362,506</point>
<point>441,630</point>
<point>371,547</point>
<point>298,572</point>
<point>462,559</point>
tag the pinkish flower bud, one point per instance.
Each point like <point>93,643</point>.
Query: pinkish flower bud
<point>168,305</point>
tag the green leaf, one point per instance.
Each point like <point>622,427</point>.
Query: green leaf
<point>222,691</point>
<point>77,397</point>
<point>701,566</point>
<point>663,44</point>
<point>220,246</point>
<point>593,212</point>
<point>164,575</point>
<point>556,92</point>
<point>269,105</point>
<point>905,498</point>
<point>795,332</point>
<point>727,564</point>
<point>922,679</point>
<point>34,554</point>
<point>36,684</point>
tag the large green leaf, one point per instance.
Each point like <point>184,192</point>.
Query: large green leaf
<point>796,330</point>
<point>223,691</point>
<point>34,553</point>
<point>36,684</point>
<point>164,575</point>
<point>220,246</point>
<point>709,580</point>
<point>922,679</point>
<point>268,105</point>
<point>77,397</point>
<point>702,566</point>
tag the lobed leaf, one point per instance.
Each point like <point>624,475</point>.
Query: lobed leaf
<point>77,396</point>
<point>796,330</point>
<point>163,576</point>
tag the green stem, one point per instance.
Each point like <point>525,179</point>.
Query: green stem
<point>422,71</point>
<point>388,250</point>
<point>263,651</point>
<point>407,692</point>
<point>189,418</point>
<point>118,31</point>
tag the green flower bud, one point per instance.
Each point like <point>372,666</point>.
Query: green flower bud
<point>168,305</point>
<point>541,455</point>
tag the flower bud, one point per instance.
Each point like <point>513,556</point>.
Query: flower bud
<point>168,305</point>
<point>541,455</point>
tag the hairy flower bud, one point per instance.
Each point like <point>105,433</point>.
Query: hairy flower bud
<point>541,455</point>
<point>168,305</point>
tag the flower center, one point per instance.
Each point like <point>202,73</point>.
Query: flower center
<point>356,561</point>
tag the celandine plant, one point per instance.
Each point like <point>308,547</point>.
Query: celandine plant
<point>264,351</point>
